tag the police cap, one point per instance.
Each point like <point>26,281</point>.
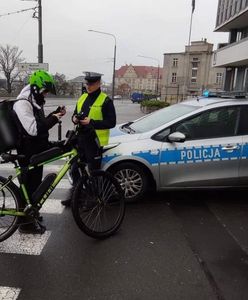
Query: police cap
<point>92,76</point>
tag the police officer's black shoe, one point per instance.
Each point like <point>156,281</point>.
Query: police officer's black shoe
<point>40,218</point>
<point>66,203</point>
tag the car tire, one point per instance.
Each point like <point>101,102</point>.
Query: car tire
<point>133,180</point>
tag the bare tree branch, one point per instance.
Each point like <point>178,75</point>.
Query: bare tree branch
<point>10,57</point>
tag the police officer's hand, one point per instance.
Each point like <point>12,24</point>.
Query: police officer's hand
<point>75,120</point>
<point>85,121</point>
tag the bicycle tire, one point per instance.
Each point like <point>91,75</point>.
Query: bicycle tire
<point>9,199</point>
<point>95,201</point>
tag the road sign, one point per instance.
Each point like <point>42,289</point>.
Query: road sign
<point>33,66</point>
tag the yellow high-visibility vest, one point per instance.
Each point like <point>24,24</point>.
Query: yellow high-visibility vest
<point>96,114</point>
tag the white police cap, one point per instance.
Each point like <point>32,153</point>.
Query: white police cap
<point>92,76</point>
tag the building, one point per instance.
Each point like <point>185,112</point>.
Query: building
<point>189,73</point>
<point>232,17</point>
<point>145,79</point>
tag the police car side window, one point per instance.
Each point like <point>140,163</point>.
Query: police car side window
<point>214,123</point>
<point>243,123</point>
<point>162,135</point>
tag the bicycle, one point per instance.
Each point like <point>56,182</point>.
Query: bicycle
<point>98,205</point>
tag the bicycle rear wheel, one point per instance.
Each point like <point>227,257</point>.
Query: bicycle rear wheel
<point>98,205</point>
<point>9,200</point>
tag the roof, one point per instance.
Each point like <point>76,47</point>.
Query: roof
<point>141,71</point>
<point>78,79</point>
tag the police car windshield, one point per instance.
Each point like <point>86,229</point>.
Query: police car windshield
<point>161,117</point>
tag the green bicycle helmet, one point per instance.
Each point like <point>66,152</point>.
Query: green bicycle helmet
<point>43,81</point>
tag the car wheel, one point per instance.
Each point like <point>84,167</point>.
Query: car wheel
<point>133,180</point>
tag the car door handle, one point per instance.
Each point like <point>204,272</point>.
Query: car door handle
<point>230,148</point>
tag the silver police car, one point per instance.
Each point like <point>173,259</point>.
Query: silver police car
<point>200,143</point>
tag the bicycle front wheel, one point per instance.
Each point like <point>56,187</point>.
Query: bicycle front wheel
<point>9,201</point>
<point>98,205</point>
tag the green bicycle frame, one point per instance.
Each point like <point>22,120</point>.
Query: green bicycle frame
<point>71,154</point>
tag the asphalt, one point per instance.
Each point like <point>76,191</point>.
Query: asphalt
<point>190,245</point>
<point>148,259</point>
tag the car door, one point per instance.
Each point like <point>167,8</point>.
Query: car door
<point>210,154</point>
<point>243,132</point>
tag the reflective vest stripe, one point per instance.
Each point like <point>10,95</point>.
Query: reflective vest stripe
<point>96,114</point>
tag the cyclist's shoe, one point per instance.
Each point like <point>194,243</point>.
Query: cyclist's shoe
<point>32,228</point>
<point>66,203</point>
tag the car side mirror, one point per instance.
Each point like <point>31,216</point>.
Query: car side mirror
<point>177,137</point>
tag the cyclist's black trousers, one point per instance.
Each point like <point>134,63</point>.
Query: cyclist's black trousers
<point>32,178</point>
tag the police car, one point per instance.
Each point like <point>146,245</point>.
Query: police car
<point>200,143</point>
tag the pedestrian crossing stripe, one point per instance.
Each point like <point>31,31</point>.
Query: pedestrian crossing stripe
<point>27,244</point>
<point>52,206</point>
<point>63,184</point>
<point>9,293</point>
<point>50,168</point>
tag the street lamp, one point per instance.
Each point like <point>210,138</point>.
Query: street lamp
<point>157,70</point>
<point>39,17</point>
<point>113,80</point>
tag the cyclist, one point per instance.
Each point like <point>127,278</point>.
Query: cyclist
<point>94,115</point>
<point>33,128</point>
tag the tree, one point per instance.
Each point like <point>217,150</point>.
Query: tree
<point>10,57</point>
<point>62,86</point>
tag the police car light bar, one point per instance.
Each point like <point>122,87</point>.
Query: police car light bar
<point>225,94</point>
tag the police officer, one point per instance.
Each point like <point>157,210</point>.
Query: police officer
<point>94,115</point>
<point>33,127</point>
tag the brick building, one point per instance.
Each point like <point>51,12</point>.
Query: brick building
<point>143,79</point>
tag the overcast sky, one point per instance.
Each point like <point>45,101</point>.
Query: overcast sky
<point>142,27</point>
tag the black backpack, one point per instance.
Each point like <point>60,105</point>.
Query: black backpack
<point>9,133</point>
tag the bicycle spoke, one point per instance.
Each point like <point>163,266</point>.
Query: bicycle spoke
<point>104,203</point>
<point>8,203</point>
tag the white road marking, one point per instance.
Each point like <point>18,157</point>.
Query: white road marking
<point>50,168</point>
<point>9,293</point>
<point>52,206</point>
<point>28,244</point>
<point>63,184</point>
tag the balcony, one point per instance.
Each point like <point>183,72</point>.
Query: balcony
<point>235,22</point>
<point>233,55</point>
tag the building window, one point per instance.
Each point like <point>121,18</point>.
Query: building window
<point>219,77</point>
<point>174,78</point>
<point>235,6</point>
<point>193,80</point>
<point>230,10</point>
<point>175,62</point>
<point>195,59</point>
<point>194,73</point>
<point>195,65</point>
